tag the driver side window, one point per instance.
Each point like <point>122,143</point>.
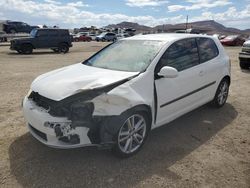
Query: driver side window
<point>181,55</point>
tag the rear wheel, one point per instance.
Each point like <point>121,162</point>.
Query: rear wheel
<point>132,134</point>
<point>243,65</point>
<point>63,48</point>
<point>221,94</point>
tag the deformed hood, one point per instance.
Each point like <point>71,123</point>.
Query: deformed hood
<point>64,82</point>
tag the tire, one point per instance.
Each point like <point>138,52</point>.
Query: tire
<point>63,48</point>
<point>128,141</point>
<point>26,49</point>
<point>221,95</point>
<point>243,65</point>
<point>56,50</point>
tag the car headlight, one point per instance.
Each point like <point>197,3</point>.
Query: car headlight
<point>82,111</point>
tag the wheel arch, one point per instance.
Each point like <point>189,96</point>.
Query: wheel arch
<point>27,43</point>
<point>109,126</point>
<point>228,78</point>
<point>143,108</point>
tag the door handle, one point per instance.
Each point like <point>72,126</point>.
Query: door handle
<point>201,73</point>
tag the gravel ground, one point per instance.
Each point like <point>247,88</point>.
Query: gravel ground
<point>206,148</point>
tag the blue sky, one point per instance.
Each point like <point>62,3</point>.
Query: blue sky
<point>70,14</point>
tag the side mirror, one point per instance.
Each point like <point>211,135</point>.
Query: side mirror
<point>168,72</point>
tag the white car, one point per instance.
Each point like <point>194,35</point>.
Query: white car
<point>130,87</point>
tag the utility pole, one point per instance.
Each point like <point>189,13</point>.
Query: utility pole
<point>186,23</point>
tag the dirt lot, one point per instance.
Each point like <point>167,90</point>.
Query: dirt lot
<point>205,148</point>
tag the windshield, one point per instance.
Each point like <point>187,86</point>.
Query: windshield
<point>102,34</point>
<point>126,55</point>
<point>33,32</point>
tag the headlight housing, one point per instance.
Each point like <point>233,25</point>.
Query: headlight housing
<point>82,111</point>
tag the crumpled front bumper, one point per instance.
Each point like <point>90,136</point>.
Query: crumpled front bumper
<point>37,119</point>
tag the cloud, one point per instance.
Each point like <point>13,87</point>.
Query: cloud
<point>231,17</point>
<point>143,3</point>
<point>199,4</point>
<point>52,2</point>
<point>72,15</point>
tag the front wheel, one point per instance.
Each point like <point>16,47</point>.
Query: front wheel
<point>26,49</point>
<point>132,134</point>
<point>221,94</point>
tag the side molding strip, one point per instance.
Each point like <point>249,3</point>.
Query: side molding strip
<point>186,95</point>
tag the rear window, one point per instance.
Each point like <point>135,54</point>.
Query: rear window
<point>207,49</point>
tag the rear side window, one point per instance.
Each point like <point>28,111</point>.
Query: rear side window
<point>42,33</point>
<point>53,33</point>
<point>64,33</point>
<point>181,55</point>
<point>207,49</point>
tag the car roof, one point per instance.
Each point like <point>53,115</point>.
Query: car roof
<point>166,37</point>
<point>52,29</point>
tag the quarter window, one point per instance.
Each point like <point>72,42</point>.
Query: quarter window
<point>42,33</point>
<point>207,49</point>
<point>53,33</point>
<point>181,55</point>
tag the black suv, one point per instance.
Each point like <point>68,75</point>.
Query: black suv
<point>17,27</point>
<point>59,40</point>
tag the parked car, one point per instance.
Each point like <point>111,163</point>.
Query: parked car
<point>93,36</point>
<point>82,37</point>
<point>59,40</point>
<point>122,35</point>
<point>3,37</point>
<point>232,40</point>
<point>114,98</point>
<point>244,55</point>
<point>17,27</point>
<point>106,36</point>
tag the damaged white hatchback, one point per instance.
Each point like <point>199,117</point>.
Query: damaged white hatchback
<point>130,87</point>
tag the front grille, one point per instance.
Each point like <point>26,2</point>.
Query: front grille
<point>40,100</point>
<point>53,107</point>
<point>38,133</point>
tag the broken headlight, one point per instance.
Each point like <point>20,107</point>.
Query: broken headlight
<point>82,111</point>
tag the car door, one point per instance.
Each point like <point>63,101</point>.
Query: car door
<point>176,96</point>
<point>211,63</point>
<point>41,40</point>
<point>53,38</point>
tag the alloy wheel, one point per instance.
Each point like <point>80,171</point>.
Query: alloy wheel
<point>132,134</point>
<point>223,93</point>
